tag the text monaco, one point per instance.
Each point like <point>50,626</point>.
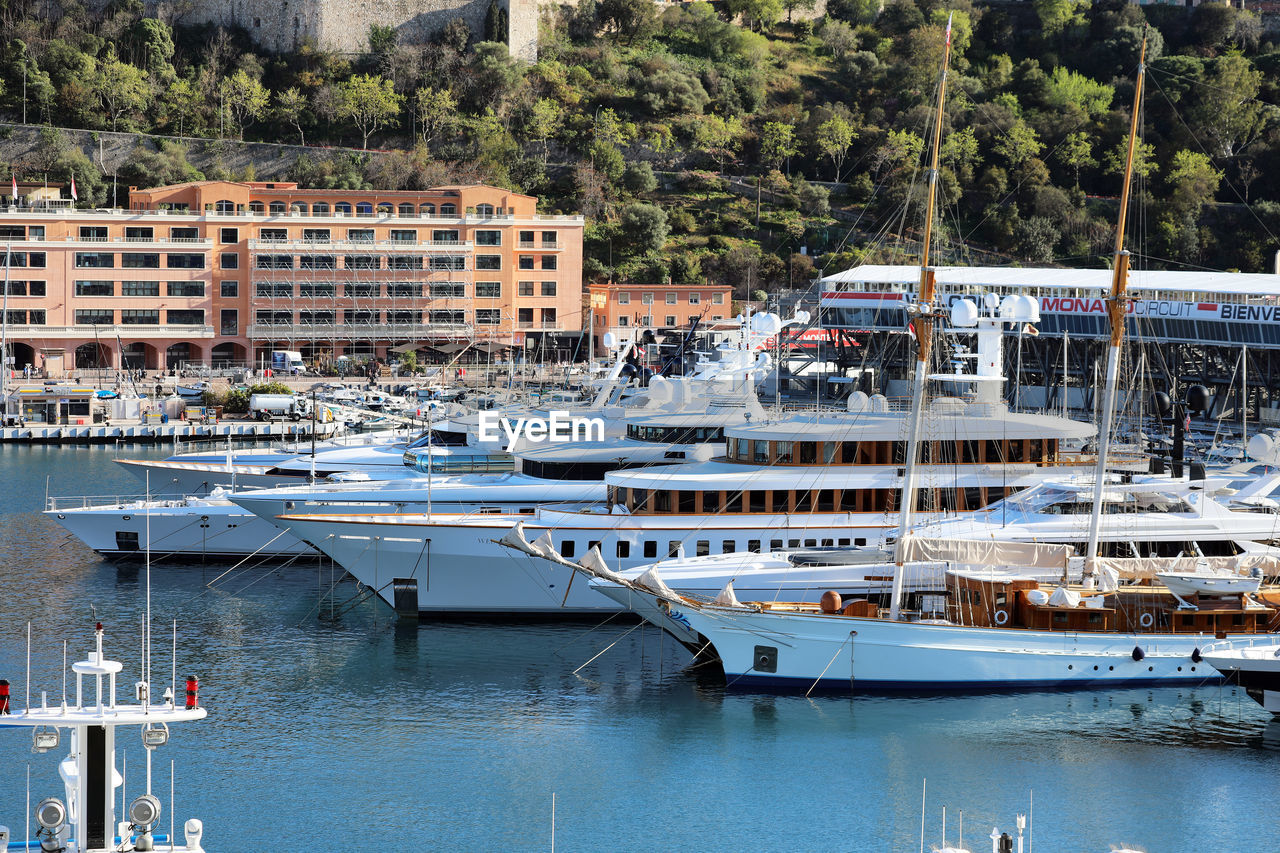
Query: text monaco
<point>559,427</point>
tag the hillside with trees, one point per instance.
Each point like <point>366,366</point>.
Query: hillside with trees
<point>694,137</point>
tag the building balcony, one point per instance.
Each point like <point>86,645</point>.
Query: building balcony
<point>356,331</point>
<point>540,246</point>
<point>120,243</point>
<point>541,325</point>
<point>110,332</point>
<point>365,247</point>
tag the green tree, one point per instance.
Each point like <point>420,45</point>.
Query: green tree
<point>899,149</point>
<point>121,88</point>
<point>629,20</point>
<point>839,38</point>
<point>1228,112</point>
<point>960,152</point>
<point>545,119</point>
<point>1069,89</point>
<point>756,14</point>
<point>496,23</point>
<point>1144,159</point>
<point>182,106</point>
<point>1056,15</point>
<point>638,178</point>
<point>719,137</point>
<point>244,97</point>
<point>643,227</point>
<point>368,102</point>
<point>290,106</point>
<point>154,41</point>
<point>1018,144</point>
<point>436,111</point>
<point>1192,181</point>
<point>1076,153</point>
<point>833,138</point>
<point>777,143</point>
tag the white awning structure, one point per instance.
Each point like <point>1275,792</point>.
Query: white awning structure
<point>985,552</point>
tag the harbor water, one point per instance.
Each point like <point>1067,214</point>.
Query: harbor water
<point>332,726</point>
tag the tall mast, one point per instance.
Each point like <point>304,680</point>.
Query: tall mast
<point>922,317</point>
<point>1116,305</point>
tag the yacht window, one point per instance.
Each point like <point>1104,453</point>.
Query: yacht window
<point>753,545</point>
<point>848,500</point>
<point>859,541</point>
<point>775,544</point>
<point>728,546</point>
<point>651,548</point>
<point>710,502</point>
<point>827,543</point>
<point>673,548</point>
<point>661,501</point>
<point>811,543</point>
<point>594,543</point>
<point>804,500</point>
<point>829,449</point>
<point>807,452</point>
<point>761,455</point>
<point>567,548</point>
<point>793,543</point>
<point>703,548</point>
<point>848,452</point>
<point>783,452</point>
<point>687,502</point>
<point>826,500</point>
<point>757,501</point>
<point>623,550</point>
<point>843,543</point>
<point>733,502</point>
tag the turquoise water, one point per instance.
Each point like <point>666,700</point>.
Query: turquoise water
<point>333,727</point>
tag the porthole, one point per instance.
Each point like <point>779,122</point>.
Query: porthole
<point>1179,669</point>
<point>1095,667</point>
<point>1110,669</point>
<point>1070,666</point>
<point>125,517</point>
<point>1151,669</point>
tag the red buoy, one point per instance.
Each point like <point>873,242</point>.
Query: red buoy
<point>193,692</point>
<point>4,696</point>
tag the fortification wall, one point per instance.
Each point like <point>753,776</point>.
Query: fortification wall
<point>343,25</point>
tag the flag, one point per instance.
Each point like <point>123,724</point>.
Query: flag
<point>1186,423</point>
<point>75,196</point>
<point>14,196</point>
<point>1028,329</point>
<point>911,330</point>
<point>948,29</point>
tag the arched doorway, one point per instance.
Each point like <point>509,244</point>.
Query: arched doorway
<point>228,355</point>
<point>177,355</point>
<point>93,356</point>
<point>21,356</point>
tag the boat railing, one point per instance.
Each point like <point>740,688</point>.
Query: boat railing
<point>57,503</point>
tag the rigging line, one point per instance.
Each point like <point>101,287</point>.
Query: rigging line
<point>828,666</point>
<point>271,570</point>
<point>611,645</point>
<point>243,561</point>
<point>1215,160</point>
<point>583,634</point>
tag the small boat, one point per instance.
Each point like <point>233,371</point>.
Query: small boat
<point>196,390</point>
<point>1207,581</point>
<point>1255,668</point>
<point>85,820</point>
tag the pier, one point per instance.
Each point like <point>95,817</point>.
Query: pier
<point>166,433</point>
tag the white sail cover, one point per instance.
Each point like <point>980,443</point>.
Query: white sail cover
<point>727,597</point>
<point>1063,597</point>
<point>653,582</point>
<point>1149,567</point>
<point>543,545</point>
<point>985,552</point>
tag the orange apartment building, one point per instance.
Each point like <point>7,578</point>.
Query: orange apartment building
<point>221,273</point>
<point>628,309</point>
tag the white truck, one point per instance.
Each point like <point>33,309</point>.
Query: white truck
<point>287,362</point>
<point>265,407</point>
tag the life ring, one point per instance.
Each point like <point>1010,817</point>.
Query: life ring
<point>1002,616</point>
<point>1146,620</point>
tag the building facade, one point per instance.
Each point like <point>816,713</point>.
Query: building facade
<point>221,273</point>
<point>626,310</point>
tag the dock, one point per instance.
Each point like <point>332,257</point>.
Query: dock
<point>135,432</point>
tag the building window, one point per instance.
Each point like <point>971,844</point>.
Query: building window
<point>488,262</point>
<point>16,318</point>
<point>362,235</point>
<point>317,262</point>
<point>316,235</point>
<point>184,233</point>
<point>87,260</point>
<point>526,288</point>
<point>361,262</point>
<point>139,317</point>
<point>229,261</point>
<point>444,262</point>
<point>670,321</point>
<point>549,262</point>
<point>229,235</point>
<point>717,299</point>
<point>313,289</point>
<point>320,208</point>
<point>138,234</point>
<point>448,289</point>
<point>359,316</point>
<point>274,262</point>
<point>484,210</point>
<point>185,262</point>
<point>317,318</point>
<point>646,299</point>
<point>273,289</point>
<point>401,235</point>
<point>230,289</point>
<point>548,288</point>
<point>695,299</point>
<point>426,210</point>
<point>455,318</point>
<point>624,298</point>
<point>364,289</point>
<point>140,260</point>
<point>35,318</point>
<point>404,288</point>
<point>524,316</point>
<point>186,288</point>
<point>488,290</point>
<point>94,317</point>
<point>443,236</point>
<point>405,209</point>
<point>526,239</point>
<point>671,298</point>
<point>549,239</point>
<point>405,262</point>
<point>488,238</point>
<point>402,317</point>
<point>273,235</point>
<point>548,318</point>
<point>274,318</point>
<point>230,322</point>
<point>488,316</point>
<point>139,288</point>
<point>526,262</point>
<point>186,317</point>
<point>448,210</point>
<point>95,288</point>
<point>93,233</point>
<point>624,321</point>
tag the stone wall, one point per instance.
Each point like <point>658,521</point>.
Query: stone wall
<point>283,26</point>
